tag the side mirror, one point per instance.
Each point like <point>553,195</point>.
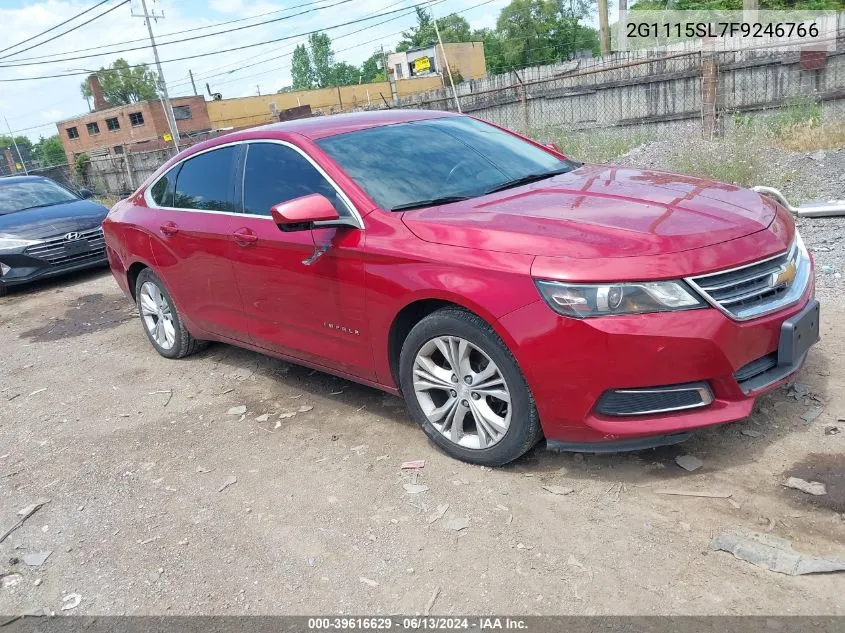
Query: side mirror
<point>85,193</point>
<point>300,213</point>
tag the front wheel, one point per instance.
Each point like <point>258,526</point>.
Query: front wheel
<point>160,318</point>
<point>464,388</point>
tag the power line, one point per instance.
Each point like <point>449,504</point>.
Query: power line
<point>225,50</point>
<point>235,65</point>
<point>428,3</point>
<point>53,28</point>
<point>179,41</point>
<point>78,26</point>
<point>287,66</point>
<point>144,39</point>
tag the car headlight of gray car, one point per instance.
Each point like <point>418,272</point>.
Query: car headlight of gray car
<point>10,244</point>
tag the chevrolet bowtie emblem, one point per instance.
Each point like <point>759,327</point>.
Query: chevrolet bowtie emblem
<point>784,276</point>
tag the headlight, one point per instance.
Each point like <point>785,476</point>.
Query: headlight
<point>591,300</point>
<point>14,243</point>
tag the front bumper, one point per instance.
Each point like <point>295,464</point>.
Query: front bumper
<point>25,266</point>
<point>570,363</point>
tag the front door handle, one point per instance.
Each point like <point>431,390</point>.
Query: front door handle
<point>244,237</point>
<point>168,228</point>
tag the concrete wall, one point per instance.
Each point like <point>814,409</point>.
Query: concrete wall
<point>637,89</point>
<point>250,111</point>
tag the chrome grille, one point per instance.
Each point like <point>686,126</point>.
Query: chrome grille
<point>53,250</point>
<point>759,288</point>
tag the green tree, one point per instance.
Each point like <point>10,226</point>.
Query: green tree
<point>537,32</point>
<point>322,59</point>
<point>49,151</point>
<point>123,84</point>
<point>453,28</point>
<point>494,50</point>
<point>371,69</point>
<point>344,74</point>
<point>24,144</point>
<point>313,65</point>
<point>301,71</point>
<point>420,35</point>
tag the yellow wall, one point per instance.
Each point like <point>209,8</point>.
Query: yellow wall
<point>467,58</point>
<point>249,111</point>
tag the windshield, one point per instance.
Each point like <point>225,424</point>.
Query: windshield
<point>28,194</point>
<point>436,161</point>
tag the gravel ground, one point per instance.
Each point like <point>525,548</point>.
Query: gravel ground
<point>801,176</point>
<point>161,501</point>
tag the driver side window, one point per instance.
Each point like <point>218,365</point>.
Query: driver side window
<point>276,173</point>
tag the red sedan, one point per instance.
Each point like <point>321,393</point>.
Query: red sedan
<point>505,290</point>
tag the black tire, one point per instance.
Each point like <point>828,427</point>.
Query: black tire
<point>184,344</point>
<point>524,429</point>
<point>4,290</point>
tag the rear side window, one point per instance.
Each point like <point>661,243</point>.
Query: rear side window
<point>276,173</point>
<point>162,191</point>
<point>205,182</point>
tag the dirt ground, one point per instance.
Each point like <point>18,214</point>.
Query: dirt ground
<point>135,453</point>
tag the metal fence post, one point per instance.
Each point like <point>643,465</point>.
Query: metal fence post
<point>130,180</point>
<point>709,81</point>
<point>526,116</point>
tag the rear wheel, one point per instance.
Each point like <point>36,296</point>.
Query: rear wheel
<point>160,318</point>
<point>464,388</point>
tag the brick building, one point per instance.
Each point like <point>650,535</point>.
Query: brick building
<point>134,127</point>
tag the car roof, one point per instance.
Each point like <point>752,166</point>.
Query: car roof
<point>322,126</point>
<point>8,180</point>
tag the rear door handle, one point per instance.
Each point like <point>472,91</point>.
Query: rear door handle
<point>168,229</point>
<point>245,237</point>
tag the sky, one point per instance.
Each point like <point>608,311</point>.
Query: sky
<point>33,106</point>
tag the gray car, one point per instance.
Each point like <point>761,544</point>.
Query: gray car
<point>47,229</point>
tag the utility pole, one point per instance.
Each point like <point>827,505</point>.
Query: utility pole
<point>446,61</point>
<point>604,32</point>
<point>621,43</point>
<point>394,93</point>
<point>194,85</point>
<point>258,88</point>
<point>165,99</point>
<point>17,149</point>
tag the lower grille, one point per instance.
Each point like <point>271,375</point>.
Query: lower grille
<point>60,251</point>
<point>651,400</point>
<point>756,367</point>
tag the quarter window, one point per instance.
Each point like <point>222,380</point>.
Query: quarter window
<point>93,128</point>
<point>276,173</point>
<point>113,124</point>
<point>206,181</point>
<point>136,119</point>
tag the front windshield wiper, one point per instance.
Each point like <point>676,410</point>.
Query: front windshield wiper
<point>524,180</point>
<point>428,203</point>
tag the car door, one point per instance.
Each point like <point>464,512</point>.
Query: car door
<point>196,218</point>
<point>305,306</point>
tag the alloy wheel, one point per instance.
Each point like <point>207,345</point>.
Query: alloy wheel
<point>157,315</point>
<point>462,392</point>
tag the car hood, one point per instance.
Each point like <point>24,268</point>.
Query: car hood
<point>57,219</point>
<point>598,211</point>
